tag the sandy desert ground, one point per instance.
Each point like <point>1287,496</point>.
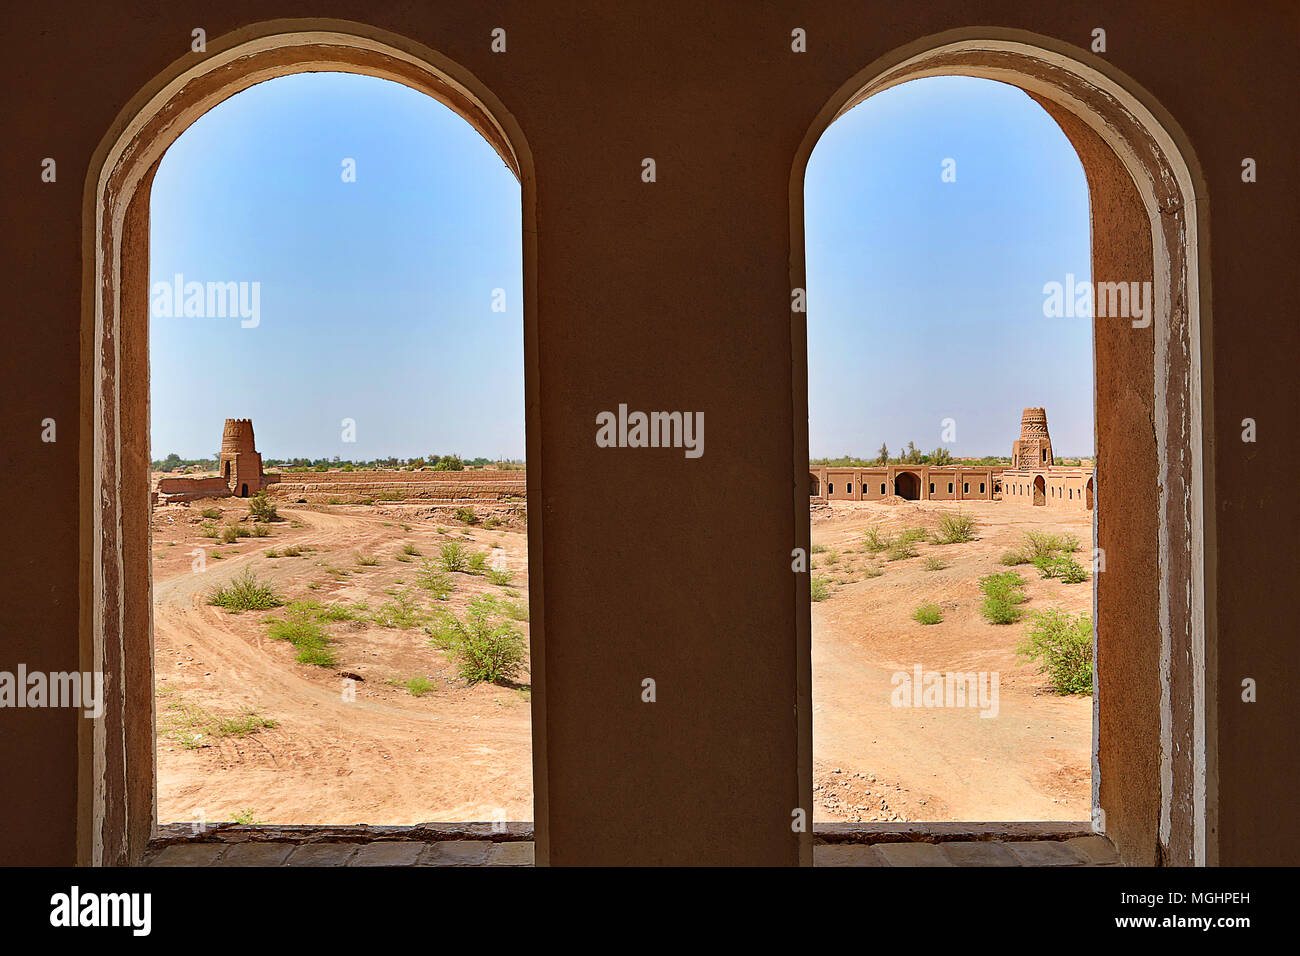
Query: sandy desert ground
<point>875,761</point>
<point>458,752</point>
<point>462,752</point>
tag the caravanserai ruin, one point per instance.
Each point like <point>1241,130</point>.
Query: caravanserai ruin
<point>1033,477</point>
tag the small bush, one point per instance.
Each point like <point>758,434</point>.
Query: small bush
<point>366,561</point>
<point>955,528</point>
<point>478,563</point>
<point>1002,594</point>
<point>821,587</point>
<point>1007,584</point>
<point>245,593</point>
<point>928,614</point>
<point>337,612</point>
<point>1014,557</point>
<point>998,610</point>
<point>418,686</point>
<point>875,542</point>
<point>900,550</point>
<point>213,513</point>
<point>410,549</point>
<point>293,551</point>
<point>454,557</point>
<point>1072,572</point>
<point>500,576</point>
<point>935,564</point>
<point>467,515</point>
<point>260,531</point>
<point>210,531</point>
<point>818,548</point>
<point>309,639</point>
<point>484,647</point>
<point>230,534</point>
<point>1061,644</point>
<point>260,507</point>
<point>402,612</point>
<point>433,580</point>
<point>243,724</point>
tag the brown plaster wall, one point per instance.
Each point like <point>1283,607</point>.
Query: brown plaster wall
<point>675,295</point>
<point>1128,644</point>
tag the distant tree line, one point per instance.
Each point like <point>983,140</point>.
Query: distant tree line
<point>914,456</point>
<point>175,462</point>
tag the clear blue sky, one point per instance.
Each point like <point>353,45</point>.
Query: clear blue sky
<point>925,297</point>
<point>376,295</point>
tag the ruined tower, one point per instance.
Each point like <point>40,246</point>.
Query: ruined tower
<point>1033,449</point>
<point>240,463</point>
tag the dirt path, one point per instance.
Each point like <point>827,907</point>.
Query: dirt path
<point>1029,762</point>
<point>457,753</point>
<point>463,752</point>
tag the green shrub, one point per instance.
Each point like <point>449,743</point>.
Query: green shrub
<point>433,580</point>
<point>1008,584</point>
<point>484,647</point>
<point>467,515</point>
<point>338,612</point>
<point>410,549</point>
<point>210,531</point>
<point>230,534</point>
<point>955,528</point>
<point>1072,572</point>
<point>1002,594</point>
<point>478,563</point>
<point>935,564</point>
<point>260,531</point>
<point>243,724</point>
<point>818,548</point>
<point>900,550</point>
<point>245,593</point>
<point>998,610</point>
<point>1014,557</point>
<point>928,614</point>
<point>260,507</point>
<point>418,686</point>
<point>500,576</point>
<point>875,542</point>
<point>454,557</point>
<point>213,513</point>
<point>1061,644</point>
<point>821,587</point>
<point>402,612</point>
<point>309,639</point>
<point>366,561</point>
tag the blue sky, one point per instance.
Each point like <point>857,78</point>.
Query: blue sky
<point>925,297</point>
<point>376,295</point>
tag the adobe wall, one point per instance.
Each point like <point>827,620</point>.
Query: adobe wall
<point>1072,488</point>
<point>938,483</point>
<point>676,294</point>
<point>415,485</point>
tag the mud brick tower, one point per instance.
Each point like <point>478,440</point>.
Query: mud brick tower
<point>1033,449</point>
<point>240,463</point>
